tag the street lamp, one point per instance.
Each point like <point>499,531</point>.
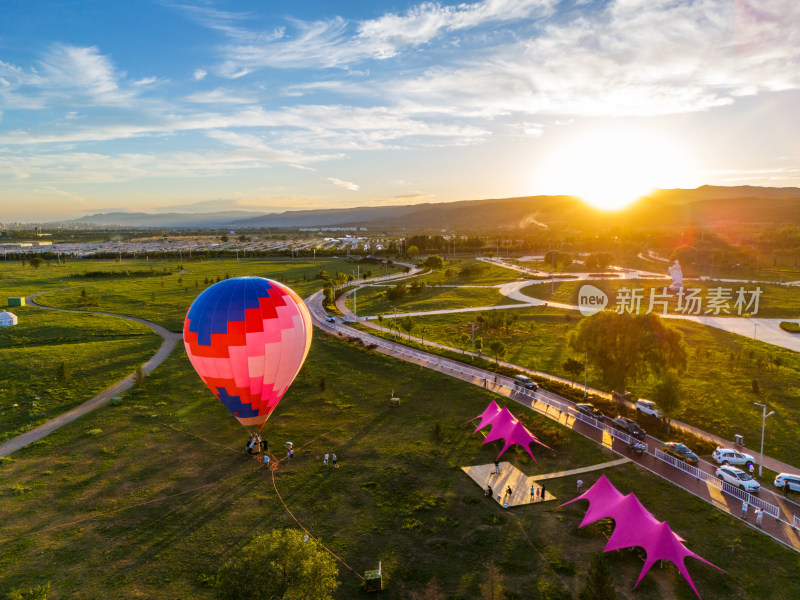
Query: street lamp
<point>395,321</point>
<point>764,415</point>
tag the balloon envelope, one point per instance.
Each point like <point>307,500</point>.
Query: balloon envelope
<point>247,338</point>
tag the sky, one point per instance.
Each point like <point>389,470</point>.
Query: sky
<point>270,105</point>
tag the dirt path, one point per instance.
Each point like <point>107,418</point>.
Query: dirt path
<point>170,340</point>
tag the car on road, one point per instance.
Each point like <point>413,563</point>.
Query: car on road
<point>526,382</point>
<point>330,318</point>
<point>784,479</point>
<point>739,478</point>
<point>591,410</point>
<point>728,456</point>
<point>648,407</point>
<point>680,451</point>
<point>630,427</point>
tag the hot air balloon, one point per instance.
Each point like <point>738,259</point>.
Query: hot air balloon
<point>247,338</point>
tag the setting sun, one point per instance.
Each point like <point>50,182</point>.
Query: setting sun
<point>612,169</point>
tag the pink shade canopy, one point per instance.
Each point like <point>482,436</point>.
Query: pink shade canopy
<point>507,427</point>
<point>635,526</point>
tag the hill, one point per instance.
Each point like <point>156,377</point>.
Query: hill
<point>704,206</point>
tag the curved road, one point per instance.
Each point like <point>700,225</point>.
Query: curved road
<point>170,340</point>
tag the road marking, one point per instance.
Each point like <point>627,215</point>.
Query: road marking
<point>717,499</point>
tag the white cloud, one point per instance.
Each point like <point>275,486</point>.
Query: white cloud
<point>336,42</point>
<point>199,74</point>
<point>348,185</point>
<point>221,96</point>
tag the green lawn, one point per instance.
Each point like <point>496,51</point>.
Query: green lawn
<point>165,300</point>
<point>373,300</point>
<point>96,351</point>
<point>776,301</point>
<point>124,504</point>
<point>488,274</point>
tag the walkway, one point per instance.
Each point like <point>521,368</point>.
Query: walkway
<point>170,340</point>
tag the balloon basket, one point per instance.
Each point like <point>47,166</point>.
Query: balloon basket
<point>394,402</point>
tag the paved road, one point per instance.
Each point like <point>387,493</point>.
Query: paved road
<point>778,528</point>
<point>170,340</point>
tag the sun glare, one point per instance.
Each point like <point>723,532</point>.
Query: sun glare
<point>610,170</point>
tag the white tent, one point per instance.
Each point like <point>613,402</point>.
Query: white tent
<point>7,319</point>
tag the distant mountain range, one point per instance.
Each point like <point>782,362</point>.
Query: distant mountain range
<point>704,206</point>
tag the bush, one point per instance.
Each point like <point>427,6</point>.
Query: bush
<point>790,326</point>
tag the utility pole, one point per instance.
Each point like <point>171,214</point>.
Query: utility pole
<point>764,416</point>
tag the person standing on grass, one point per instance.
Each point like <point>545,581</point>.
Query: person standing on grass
<point>334,459</point>
<point>325,460</point>
<point>251,442</point>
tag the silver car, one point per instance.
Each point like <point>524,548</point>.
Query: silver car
<point>727,456</point>
<point>739,478</point>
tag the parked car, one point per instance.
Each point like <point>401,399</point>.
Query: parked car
<point>330,318</point>
<point>629,427</point>
<point>739,478</point>
<point>784,479</point>
<point>637,448</point>
<point>648,407</point>
<point>680,451</point>
<point>591,410</point>
<point>727,456</point>
<point>526,382</point>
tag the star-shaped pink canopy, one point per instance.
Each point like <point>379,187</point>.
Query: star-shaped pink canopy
<point>636,526</point>
<point>505,426</point>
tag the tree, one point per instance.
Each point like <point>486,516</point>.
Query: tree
<point>433,262</point>
<point>498,348</point>
<point>36,261</point>
<point>573,367</point>
<point>412,252</point>
<point>39,592</point>
<point>279,564</point>
<point>599,586</point>
<point>138,376</point>
<point>668,397</point>
<point>224,238</point>
<point>61,373</point>
<point>624,346</point>
<point>407,325</point>
<point>492,587</point>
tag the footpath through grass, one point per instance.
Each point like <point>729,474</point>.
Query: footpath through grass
<point>128,503</point>
<point>96,352</point>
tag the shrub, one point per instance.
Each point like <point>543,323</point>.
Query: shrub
<point>790,326</point>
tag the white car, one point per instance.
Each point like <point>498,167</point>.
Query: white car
<point>739,478</point>
<point>784,479</point>
<point>648,407</point>
<point>727,456</point>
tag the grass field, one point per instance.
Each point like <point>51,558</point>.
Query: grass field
<point>716,388</point>
<point>775,301</point>
<point>96,351</point>
<point>123,504</point>
<point>373,300</point>
<point>165,300</point>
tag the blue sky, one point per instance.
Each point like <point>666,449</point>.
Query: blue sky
<point>274,105</point>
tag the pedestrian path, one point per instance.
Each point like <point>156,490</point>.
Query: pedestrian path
<point>605,465</point>
<point>170,340</point>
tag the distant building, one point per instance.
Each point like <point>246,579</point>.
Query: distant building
<point>7,319</point>
<point>16,301</point>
